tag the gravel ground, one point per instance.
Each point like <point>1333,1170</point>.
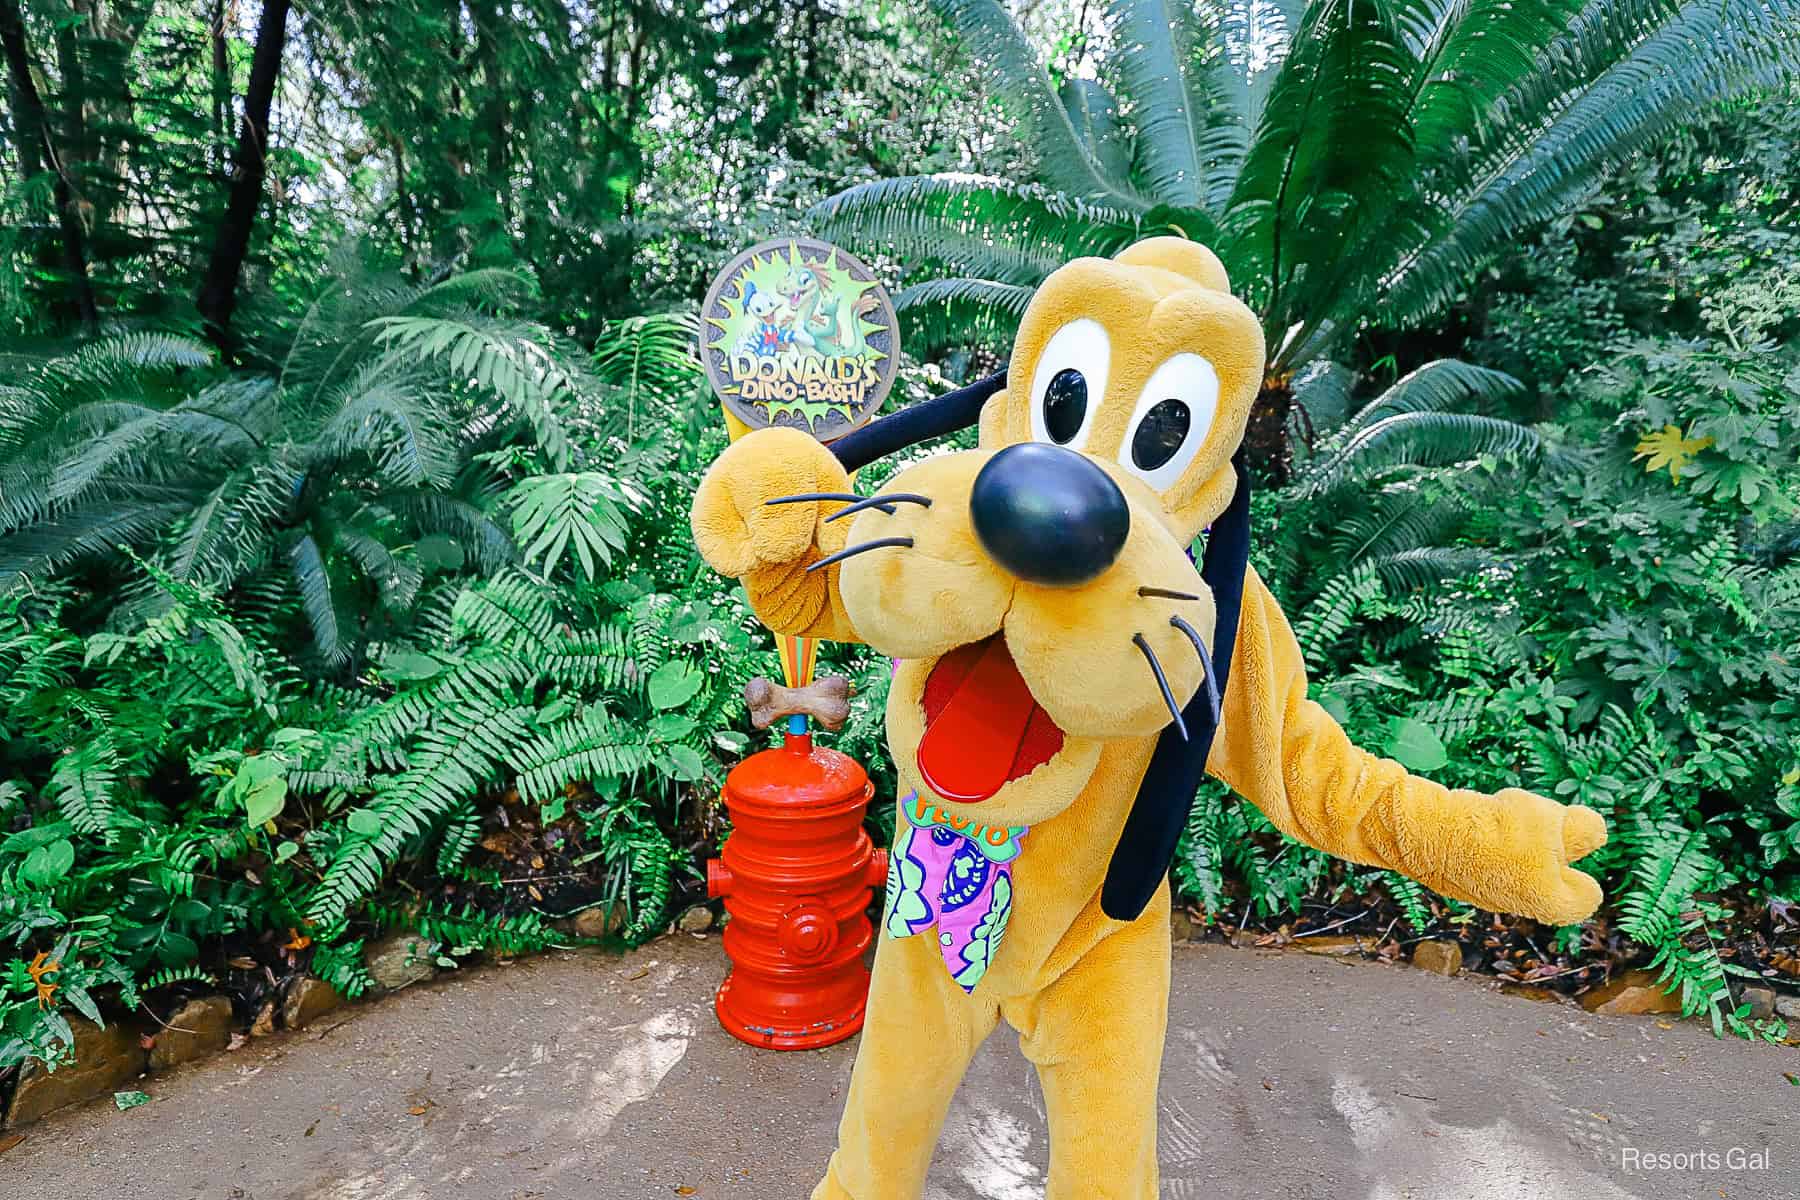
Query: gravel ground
<point>1294,1076</point>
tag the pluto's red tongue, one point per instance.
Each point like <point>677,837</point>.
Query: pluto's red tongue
<point>982,728</point>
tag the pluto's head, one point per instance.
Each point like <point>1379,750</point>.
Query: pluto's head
<point>1038,590</point>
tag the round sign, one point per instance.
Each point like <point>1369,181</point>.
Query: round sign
<point>796,332</point>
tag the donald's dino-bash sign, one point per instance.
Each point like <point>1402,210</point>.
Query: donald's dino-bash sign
<point>797,332</point>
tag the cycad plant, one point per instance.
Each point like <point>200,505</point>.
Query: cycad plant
<point>338,477</point>
<point>1353,161</point>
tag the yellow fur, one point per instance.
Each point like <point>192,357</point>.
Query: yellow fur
<point>1089,994</point>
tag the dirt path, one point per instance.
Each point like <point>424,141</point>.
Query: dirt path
<point>594,1077</point>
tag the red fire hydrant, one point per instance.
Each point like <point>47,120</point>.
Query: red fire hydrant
<point>796,874</point>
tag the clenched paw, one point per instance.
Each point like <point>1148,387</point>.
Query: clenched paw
<point>735,527</point>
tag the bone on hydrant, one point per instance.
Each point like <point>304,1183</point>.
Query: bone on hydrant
<point>826,702</point>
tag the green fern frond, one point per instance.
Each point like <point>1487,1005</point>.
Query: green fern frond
<point>511,361</point>
<point>591,658</point>
<point>587,746</point>
<point>83,783</point>
<point>454,760</point>
<point>167,975</point>
<point>461,835</point>
<point>1328,617</point>
<point>583,510</point>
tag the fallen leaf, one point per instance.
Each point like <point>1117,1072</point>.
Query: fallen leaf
<point>1665,1024</point>
<point>311,1129</point>
<point>9,1141</point>
<point>418,1110</point>
<point>685,1190</point>
<point>126,1100</point>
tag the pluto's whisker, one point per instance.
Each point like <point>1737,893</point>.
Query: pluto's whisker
<point>1206,667</point>
<point>815,497</point>
<point>884,502</point>
<point>1162,682</point>
<point>1167,593</point>
<point>859,548</point>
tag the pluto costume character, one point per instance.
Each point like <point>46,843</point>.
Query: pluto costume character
<point>1057,697</point>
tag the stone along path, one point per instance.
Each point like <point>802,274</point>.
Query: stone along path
<point>589,1076</point>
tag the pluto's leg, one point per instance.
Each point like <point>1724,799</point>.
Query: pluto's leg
<point>1096,1037</point>
<point>920,1032</point>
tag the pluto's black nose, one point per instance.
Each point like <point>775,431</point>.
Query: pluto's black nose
<point>1048,515</point>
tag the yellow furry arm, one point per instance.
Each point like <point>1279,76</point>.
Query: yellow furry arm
<point>1507,852</point>
<point>769,547</point>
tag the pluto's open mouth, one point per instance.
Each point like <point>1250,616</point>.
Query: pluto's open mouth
<point>983,729</point>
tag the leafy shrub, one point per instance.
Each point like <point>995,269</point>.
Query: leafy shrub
<point>1611,621</point>
<point>178,775</point>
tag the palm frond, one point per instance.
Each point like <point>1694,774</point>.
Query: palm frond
<point>88,531</point>
<point>1621,78</point>
<point>1421,566</point>
<point>1420,439</point>
<point>390,416</point>
<point>974,225</point>
<point>1152,38</point>
<point>649,358</point>
<point>491,289</point>
<point>484,539</point>
<point>1239,45</point>
<point>943,313</point>
<point>579,510</point>
<point>1096,119</point>
<point>1004,56</point>
<point>1471,53</point>
<point>1441,385</point>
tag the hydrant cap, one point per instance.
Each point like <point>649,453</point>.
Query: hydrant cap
<point>786,777</point>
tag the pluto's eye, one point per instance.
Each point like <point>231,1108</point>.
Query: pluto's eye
<point>1171,420</point>
<point>1065,404</point>
<point>1069,383</point>
<point>1160,434</point>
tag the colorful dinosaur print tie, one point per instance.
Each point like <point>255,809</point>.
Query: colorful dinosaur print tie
<point>955,875</point>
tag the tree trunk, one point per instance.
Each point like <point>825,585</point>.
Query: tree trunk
<point>221,83</point>
<point>34,127</point>
<point>1267,447</point>
<point>218,292</point>
<point>496,115</point>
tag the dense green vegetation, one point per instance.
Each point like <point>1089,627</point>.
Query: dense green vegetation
<point>348,424</point>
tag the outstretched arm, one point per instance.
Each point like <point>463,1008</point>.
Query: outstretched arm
<point>769,546</point>
<point>1508,852</point>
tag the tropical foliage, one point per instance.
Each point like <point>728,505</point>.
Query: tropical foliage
<point>1352,161</point>
<point>348,414</point>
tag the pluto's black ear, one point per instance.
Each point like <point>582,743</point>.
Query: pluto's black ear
<point>1158,815</point>
<point>920,423</point>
